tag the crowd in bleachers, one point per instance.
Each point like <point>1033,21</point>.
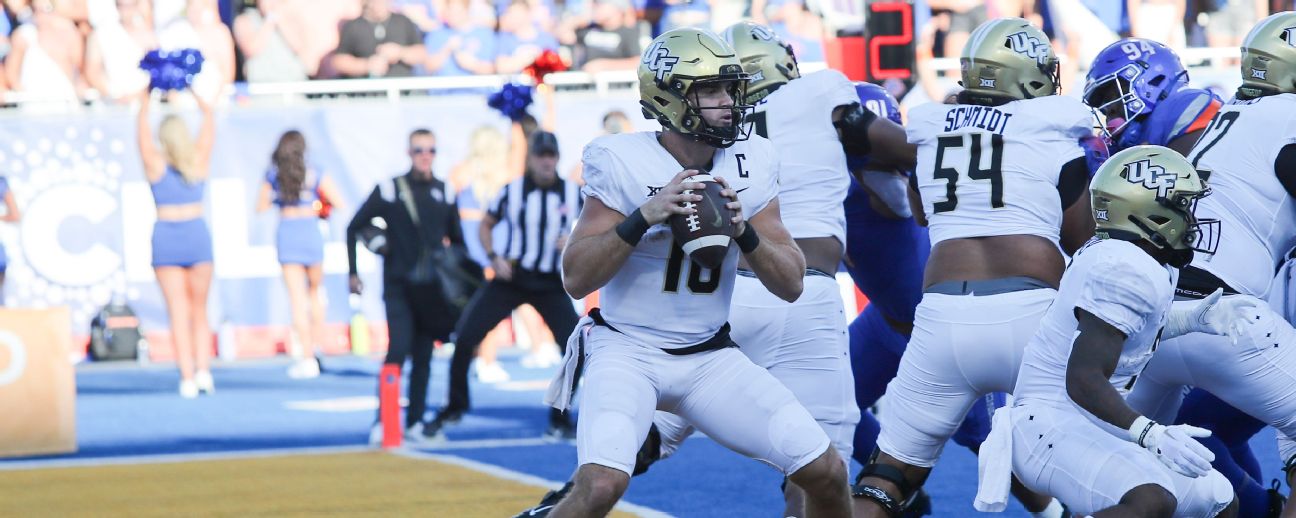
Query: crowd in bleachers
<point>90,49</point>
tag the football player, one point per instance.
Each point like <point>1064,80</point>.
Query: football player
<point>998,182</point>
<point>886,251</point>
<point>1069,432</point>
<point>1250,147</point>
<point>1140,88</point>
<point>660,341</point>
<point>812,121</point>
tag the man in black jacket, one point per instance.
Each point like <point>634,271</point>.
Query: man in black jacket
<point>417,313</point>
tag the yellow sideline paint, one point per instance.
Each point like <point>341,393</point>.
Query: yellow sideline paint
<point>347,484</point>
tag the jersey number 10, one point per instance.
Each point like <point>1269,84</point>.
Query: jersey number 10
<point>675,266</point>
<point>974,171</point>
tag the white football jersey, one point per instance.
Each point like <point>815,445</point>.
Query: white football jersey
<point>798,119</point>
<point>993,170</point>
<point>658,296</point>
<point>1257,217</point>
<point>1117,282</point>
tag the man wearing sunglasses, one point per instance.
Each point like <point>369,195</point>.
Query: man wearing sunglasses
<point>420,215</point>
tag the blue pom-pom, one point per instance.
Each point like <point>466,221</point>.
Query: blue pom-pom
<point>512,100</point>
<point>172,69</point>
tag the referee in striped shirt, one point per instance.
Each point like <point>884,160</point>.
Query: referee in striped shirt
<point>539,209</point>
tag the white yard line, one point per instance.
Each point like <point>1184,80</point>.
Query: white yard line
<point>521,478</point>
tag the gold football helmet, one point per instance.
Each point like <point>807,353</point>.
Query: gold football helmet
<point>1150,193</point>
<point>1269,56</point>
<point>1007,59</point>
<point>673,65</point>
<point>766,58</point>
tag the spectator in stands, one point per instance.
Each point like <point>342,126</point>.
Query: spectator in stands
<point>607,43</point>
<point>673,14</point>
<point>268,54</point>
<point>379,43</point>
<point>216,44</point>
<point>462,47</point>
<point>800,28</point>
<point>299,189</point>
<point>417,314</point>
<point>1230,20</point>
<point>47,55</point>
<point>520,39</point>
<point>1151,22</point>
<point>614,122</point>
<point>11,215</point>
<point>122,35</point>
<point>422,12</point>
<point>308,27</point>
<point>964,16</point>
<point>177,172</point>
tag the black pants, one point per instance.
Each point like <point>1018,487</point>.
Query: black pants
<point>416,317</point>
<point>494,302</point>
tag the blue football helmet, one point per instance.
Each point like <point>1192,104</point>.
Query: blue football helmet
<point>1125,83</point>
<point>876,99</point>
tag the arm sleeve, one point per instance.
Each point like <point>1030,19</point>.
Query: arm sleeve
<point>1117,293</point>
<point>601,180</point>
<point>363,215</point>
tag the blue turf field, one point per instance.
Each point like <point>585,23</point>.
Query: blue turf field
<point>124,409</point>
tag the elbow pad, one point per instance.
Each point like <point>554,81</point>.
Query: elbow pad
<point>854,126</point>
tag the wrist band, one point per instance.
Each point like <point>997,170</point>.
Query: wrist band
<point>633,228</point>
<point>1139,430</point>
<point>492,256</point>
<point>748,240</point>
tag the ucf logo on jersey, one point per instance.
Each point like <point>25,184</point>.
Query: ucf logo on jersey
<point>1029,46</point>
<point>1152,177</point>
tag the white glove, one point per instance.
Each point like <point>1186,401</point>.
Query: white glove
<point>1215,314</point>
<point>1174,446</point>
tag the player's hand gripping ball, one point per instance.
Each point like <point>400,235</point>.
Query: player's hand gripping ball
<point>705,235</point>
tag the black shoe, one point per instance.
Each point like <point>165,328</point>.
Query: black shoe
<point>435,429</point>
<point>547,503</point>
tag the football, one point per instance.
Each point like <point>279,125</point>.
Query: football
<point>705,234</point>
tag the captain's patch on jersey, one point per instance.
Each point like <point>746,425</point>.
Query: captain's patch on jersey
<point>1151,176</point>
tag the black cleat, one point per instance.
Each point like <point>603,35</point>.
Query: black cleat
<point>435,430</point>
<point>547,503</point>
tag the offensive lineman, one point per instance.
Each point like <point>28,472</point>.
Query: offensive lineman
<point>1070,432</point>
<point>661,342</point>
<point>1250,147</point>
<point>1141,89</point>
<point>995,175</point>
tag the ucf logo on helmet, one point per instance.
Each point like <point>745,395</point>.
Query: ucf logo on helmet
<point>1150,176</point>
<point>1029,46</point>
<point>659,60</point>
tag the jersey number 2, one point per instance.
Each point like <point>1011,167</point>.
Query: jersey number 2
<point>675,266</point>
<point>974,171</point>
